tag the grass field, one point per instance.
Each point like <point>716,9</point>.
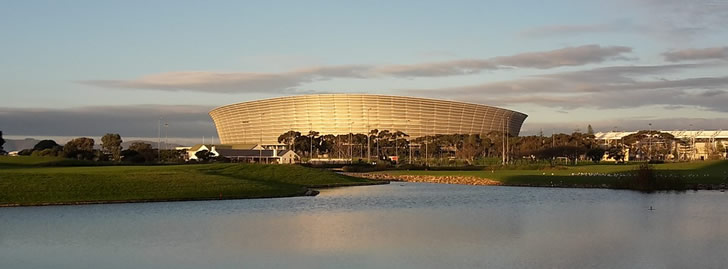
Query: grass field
<point>38,180</point>
<point>706,172</point>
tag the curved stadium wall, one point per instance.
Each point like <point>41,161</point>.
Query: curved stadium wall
<point>264,120</point>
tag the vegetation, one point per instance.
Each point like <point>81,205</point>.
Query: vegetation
<point>646,180</point>
<point>451,149</point>
<point>44,180</point>
<point>2,142</point>
<point>81,148</point>
<point>111,144</point>
<point>480,149</point>
<point>660,177</point>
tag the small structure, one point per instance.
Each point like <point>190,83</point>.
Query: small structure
<point>250,153</point>
<point>212,148</point>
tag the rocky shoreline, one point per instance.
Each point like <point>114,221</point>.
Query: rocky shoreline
<point>462,180</point>
<point>469,180</point>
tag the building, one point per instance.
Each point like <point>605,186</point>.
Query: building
<point>694,145</point>
<point>246,153</point>
<point>260,156</point>
<point>263,121</point>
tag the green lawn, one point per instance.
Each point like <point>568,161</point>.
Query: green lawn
<point>706,172</point>
<point>35,180</point>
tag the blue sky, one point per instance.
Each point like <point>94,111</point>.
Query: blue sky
<point>118,66</point>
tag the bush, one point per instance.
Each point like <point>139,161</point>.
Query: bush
<point>412,167</point>
<point>645,180</point>
<point>365,167</point>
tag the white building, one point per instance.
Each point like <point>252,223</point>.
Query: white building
<point>696,145</point>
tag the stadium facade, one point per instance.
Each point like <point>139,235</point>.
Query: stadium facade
<point>262,121</point>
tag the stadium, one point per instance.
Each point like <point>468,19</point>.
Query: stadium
<point>263,121</point>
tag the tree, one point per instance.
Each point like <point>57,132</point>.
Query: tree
<point>326,144</point>
<point>616,153</point>
<point>716,152</point>
<point>595,154</point>
<point>2,142</point>
<point>289,138</point>
<point>398,142</point>
<point>45,144</point>
<point>47,148</point>
<point>81,148</point>
<point>204,155</point>
<point>721,150</point>
<point>111,143</point>
<point>312,140</point>
<point>145,151</point>
<point>469,147</point>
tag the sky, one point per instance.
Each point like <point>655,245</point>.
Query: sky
<point>85,68</point>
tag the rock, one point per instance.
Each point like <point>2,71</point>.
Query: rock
<point>463,180</point>
<point>310,192</point>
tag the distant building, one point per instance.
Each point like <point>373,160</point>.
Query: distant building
<point>252,153</point>
<point>260,156</point>
<point>694,145</point>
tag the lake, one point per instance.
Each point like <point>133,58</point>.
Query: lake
<point>400,225</point>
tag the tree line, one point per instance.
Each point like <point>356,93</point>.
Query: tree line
<point>83,148</point>
<point>466,148</point>
<point>494,146</point>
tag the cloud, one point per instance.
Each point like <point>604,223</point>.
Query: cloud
<point>601,88</point>
<point>132,120</point>
<point>289,82</point>
<point>683,21</point>
<point>578,29</point>
<point>696,54</point>
<point>677,21</point>
<point>570,56</point>
<point>234,82</point>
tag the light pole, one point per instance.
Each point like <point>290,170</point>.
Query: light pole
<point>649,142</point>
<point>260,147</point>
<point>369,145</point>
<point>245,129</point>
<point>427,160</point>
<point>290,140</point>
<point>166,137</point>
<point>396,149</point>
<point>409,144</point>
<point>508,126</point>
<point>351,145</point>
<point>503,144</point>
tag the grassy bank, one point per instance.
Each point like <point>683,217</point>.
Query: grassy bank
<point>37,181</point>
<point>694,173</point>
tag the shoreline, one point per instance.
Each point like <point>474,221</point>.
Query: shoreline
<point>479,181</point>
<point>308,191</point>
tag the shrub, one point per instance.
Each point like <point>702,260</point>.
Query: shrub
<point>365,167</point>
<point>645,180</point>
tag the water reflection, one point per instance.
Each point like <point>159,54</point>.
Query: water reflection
<point>398,225</point>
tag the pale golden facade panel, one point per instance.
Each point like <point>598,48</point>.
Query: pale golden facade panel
<point>265,120</point>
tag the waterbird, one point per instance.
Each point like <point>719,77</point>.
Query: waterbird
<point>651,208</point>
